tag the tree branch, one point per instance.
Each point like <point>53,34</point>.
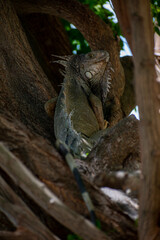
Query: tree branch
<point>118,149</point>
<point>72,11</point>
<point>23,85</point>
<point>19,214</point>
<point>24,179</point>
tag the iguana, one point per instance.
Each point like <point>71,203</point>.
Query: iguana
<point>78,117</point>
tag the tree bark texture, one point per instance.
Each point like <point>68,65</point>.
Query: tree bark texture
<point>111,154</point>
<point>47,36</point>
<point>27,224</point>
<point>123,19</point>
<point>147,95</point>
<point>24,87</point>
<point>147,90</point>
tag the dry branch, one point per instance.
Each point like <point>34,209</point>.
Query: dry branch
<point>21,234</point>
<point>24,179</point>
<point>27,224</point>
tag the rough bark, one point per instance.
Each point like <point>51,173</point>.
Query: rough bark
<point>43,160</point>
<point>118,149</point>
<point>123,19</point>
<point>147,92</point>
<point>24,87</point>
<point>28,225</point>
<point>47,36</point>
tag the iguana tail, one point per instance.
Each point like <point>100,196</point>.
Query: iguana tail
<point>64,150</point>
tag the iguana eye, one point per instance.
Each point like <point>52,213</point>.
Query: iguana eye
<point>88,75</point>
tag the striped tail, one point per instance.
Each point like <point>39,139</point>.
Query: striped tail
<point>64,150</point>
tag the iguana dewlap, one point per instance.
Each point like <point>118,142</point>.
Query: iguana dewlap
<point>79,111</point>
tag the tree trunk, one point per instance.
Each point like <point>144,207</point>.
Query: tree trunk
<point>47,36</point>
<point>24,86</point>
<point>147,89</point>
<point>147,92</point>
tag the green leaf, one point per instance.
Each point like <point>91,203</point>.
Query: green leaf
<point>136,222</point>
<point>157,30</point>
<point>98,224</point>
<point>73,237</point>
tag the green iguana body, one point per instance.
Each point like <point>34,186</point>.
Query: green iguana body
<point>79,112</point>
<point>78,117</point>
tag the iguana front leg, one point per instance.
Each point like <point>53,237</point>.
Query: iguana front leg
<point>98,110</point>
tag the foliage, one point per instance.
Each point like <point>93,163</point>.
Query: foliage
<point>98,224</point>
<point>73,237</point>
<point>155,8</point>
<point>106,15</point>
<point>77,41</point>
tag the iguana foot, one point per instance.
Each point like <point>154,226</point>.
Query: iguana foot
<point>50,106</point>
<point>105,124</point>
<point>98,110</point>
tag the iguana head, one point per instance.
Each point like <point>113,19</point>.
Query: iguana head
<point>92,69</point>
<point>92,65</point>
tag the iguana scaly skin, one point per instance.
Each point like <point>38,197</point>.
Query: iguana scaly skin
<point>79,110</point>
